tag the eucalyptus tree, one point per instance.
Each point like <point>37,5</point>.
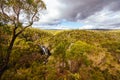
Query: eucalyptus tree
<point>20,14</point>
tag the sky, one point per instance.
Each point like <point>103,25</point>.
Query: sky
<point>80,14</point>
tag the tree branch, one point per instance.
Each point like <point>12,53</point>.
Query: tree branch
<point>17,12</point>
<point>22,30</point>
<point>3,12</point>
<point>32,19</point>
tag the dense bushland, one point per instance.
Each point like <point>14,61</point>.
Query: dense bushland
<point>76,55</point>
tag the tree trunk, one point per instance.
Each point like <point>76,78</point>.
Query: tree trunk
<point>6,60</point>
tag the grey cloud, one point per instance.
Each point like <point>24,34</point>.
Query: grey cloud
<point>115,6</point>
<point>82,10</point>
<point>115,25</point>
<point>86,8</point>
<point>52,22</point>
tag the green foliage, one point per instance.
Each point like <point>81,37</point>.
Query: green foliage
<point>112,46</point>
<point>30,9</point>
<point>79,48</point>
<point>76,55</point>
<point>4,41</point>
<point>10,13</point>
<point>60,50</point>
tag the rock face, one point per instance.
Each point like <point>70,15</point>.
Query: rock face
<point>44,51</point>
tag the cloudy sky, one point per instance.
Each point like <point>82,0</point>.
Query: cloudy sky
<point>80,14</point>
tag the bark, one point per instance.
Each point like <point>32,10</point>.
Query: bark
<point>9,50</point>
<point>6,61</point>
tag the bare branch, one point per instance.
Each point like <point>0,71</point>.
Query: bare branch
<point>22,30</point>
<point>32,19</point>
<point>3,12</point>
<point>17,12</point>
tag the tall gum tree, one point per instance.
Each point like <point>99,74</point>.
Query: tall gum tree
<point>20,14</point>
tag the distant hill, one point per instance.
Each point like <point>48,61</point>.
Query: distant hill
<point>76,55</point>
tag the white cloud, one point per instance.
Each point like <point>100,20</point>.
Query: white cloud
<point>87,27</point>
<point>104,19</point>
<point>51,27</point>
<point>92,13</point>
<point>53,11</point>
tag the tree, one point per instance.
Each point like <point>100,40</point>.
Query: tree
<point>19,14</point>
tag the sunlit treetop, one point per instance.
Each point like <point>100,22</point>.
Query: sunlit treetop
<point>20,12</point>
